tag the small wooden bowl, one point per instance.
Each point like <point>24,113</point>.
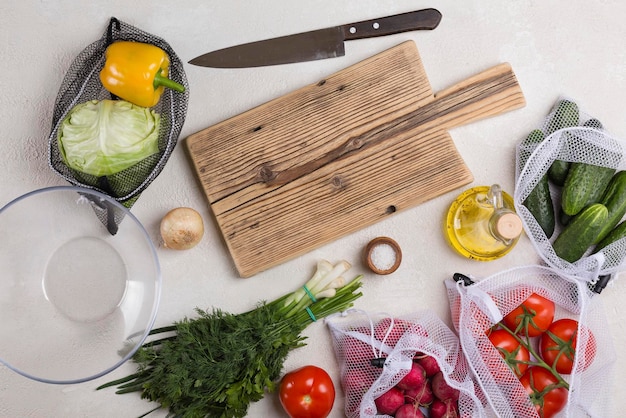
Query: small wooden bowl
<point>370,255</point>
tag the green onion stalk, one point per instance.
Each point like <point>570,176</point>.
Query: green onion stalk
<point>215,365</point>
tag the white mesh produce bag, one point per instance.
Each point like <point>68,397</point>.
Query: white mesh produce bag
<point>587,142</point>
<point>479,304</point>
<point>358,337</point>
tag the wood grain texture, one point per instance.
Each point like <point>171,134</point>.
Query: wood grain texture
<point>339,155</point>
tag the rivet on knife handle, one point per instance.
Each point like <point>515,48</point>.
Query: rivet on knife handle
<point>425,19</point>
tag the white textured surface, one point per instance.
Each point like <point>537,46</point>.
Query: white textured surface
<point>570,48</point>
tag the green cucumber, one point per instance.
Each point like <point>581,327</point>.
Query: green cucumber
<point>580,234</point>
<point>534,137</point>
<point>615,201</point>
<point>539,200</point>
<point>615,234</point>
<point>558,172</point>
<point>585,184</point>
<point>593,123</point>
<point>528,145</point>
<point>565,116</point>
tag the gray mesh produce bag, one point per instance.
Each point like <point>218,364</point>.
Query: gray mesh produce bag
<point>573,137</point>
<point>359,336</point>
<point>478,304</point>
<point>82,84</point>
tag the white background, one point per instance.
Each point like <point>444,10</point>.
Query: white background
<point>573,48</point>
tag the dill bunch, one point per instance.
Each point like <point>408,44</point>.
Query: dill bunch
<point>216,364</point>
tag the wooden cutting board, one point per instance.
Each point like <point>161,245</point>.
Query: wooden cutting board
<point>336,156</point>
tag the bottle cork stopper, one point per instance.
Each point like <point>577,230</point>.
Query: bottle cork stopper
<point>509,226</point>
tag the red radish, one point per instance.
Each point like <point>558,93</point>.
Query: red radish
<point>391,334</point>
<point>409,411</point>
<point>414,379</point>
<point>421,396</point>
<point>357,382</point>
<point>430,365</point>
<point>355,350</point>
<point>442,390</point>
<point>390,330</point>
<point>389,402</point>
<point>440,409</point>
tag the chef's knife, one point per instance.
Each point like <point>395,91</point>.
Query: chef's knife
<point>315,45</point>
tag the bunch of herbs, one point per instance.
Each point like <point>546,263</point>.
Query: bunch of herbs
<point>216,364</point>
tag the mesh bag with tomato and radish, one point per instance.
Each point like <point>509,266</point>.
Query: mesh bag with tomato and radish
<point>537,342</point>
<point>405,367</point>
<point>571,193</point>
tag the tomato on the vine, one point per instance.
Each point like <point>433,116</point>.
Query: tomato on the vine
<point>513,353</point>
<point>544,390</point>
<point>558,345</point>
<point>532,317</point>
<point>307,392</point>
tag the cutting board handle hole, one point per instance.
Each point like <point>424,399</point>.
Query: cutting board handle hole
<point>391,209</point>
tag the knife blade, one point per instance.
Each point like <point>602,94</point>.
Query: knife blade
<point>317,44</point>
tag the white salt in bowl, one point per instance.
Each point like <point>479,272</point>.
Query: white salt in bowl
<point>76,301</point>
<point>383,255</point>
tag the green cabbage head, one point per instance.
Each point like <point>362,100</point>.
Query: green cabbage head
<point>103,137</point>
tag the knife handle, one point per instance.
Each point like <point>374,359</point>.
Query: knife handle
<point>404,22</point>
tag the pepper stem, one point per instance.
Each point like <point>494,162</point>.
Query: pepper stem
<point>159,80</point>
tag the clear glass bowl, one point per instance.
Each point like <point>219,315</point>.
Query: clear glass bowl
<point>75,301</point>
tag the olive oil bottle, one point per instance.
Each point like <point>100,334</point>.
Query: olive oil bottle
<point>481,223</point>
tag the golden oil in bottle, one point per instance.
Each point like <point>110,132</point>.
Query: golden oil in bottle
<point>481,223</point>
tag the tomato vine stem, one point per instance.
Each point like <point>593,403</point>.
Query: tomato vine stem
<point>538,360</point>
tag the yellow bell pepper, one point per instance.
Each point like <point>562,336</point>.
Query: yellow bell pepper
<point>137,72</point>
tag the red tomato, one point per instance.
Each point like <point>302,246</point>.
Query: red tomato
<point>513,353</point>
<point>547,402</point>
<point>532,317</point>
<point>558,345</point>
<point>307,392</point>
